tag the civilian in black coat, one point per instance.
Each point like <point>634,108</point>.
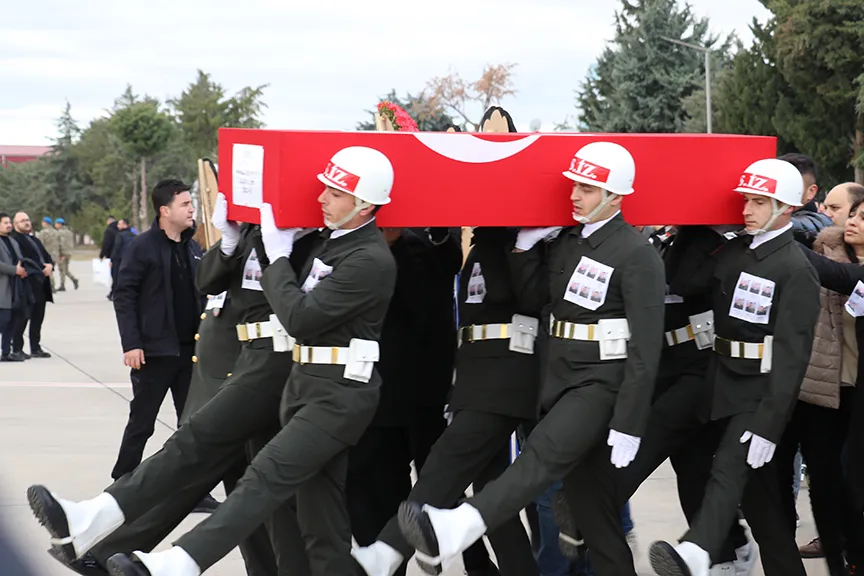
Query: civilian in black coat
<point>39,266</point>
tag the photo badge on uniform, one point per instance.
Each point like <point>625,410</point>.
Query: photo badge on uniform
<point>589,284</point>
<point>252,273</point>
<point>855,303</point>
<point>319,271</point>
<point>752,299</point>
<point>476,286</point>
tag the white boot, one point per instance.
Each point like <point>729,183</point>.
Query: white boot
<point>89,521</point>
<point>745,559</point>
<point>173,562</point>
<point>724,569</point>
<point>696,558</point>
<point>378,559</point>
<point>455,529</point>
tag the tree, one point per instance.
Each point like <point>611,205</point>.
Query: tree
<point>203,108</point>
<point>145,131</point>
<point>453,95</point>
<point>640,82</point>
<point>427,118</point>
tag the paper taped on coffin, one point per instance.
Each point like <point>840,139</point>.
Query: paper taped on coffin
<point>465,179</point>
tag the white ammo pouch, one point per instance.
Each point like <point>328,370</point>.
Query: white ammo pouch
<point>612,334</point>
<point>359,358</point>
<point>700,330</point>
<point>747,350</point>
<point>282,341</point>
<point>523,334</point>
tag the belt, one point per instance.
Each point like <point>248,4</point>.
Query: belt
<point>248,332</point>
<point>734,349</point>
<point>477,332</point>
<point>680,335</point>
<point>571,331</point>
<point>320,355</point>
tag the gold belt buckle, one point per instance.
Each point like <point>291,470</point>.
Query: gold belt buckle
<point>295,354</point>
<point>257,329</point>
<point>468,333</point>
<point>557,328</point>
<point>242,333</point>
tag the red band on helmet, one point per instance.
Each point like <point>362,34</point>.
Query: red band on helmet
<point>757,183</point>
<point>586,169</point>
<point>340,178</point>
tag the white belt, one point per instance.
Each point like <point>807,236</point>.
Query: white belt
<point>254,331</point>
<point>478,332</point>
<point>320,355</point>
<point>680,335</point>
<point>735,349</point>
<point>571,331</point>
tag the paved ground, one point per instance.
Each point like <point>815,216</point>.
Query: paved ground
<point>61,420</point>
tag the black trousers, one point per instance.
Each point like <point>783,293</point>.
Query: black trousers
<point>150,384</point>
<point>473,449</point>
<point>821,433</point>
<point>302,460</point>
<point>598,490</point>
<point>731,481</point>
<point>17,323</point>
<point>35,316</point>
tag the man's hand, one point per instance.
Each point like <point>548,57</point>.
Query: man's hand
<point>230,230</point>
<point>527,238</point>
<point>624,448</point>
<point>761,450</point>
<point>134,358</point>
<point>20,271</point>
<point>277,242</point>
<point>49,268</point>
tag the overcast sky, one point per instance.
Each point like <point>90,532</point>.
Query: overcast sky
<point>326,61</point>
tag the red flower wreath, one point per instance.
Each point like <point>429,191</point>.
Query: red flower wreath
<point>400,119</point>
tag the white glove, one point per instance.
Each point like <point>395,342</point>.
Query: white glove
<point>527,238</point>
<point>230,230</point>
<point>624,448</point>
<point>761,450</point>
<point>277,242</point>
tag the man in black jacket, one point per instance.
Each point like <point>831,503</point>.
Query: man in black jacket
<point>119,243</point>
<point>39,266</point>
<point>108,238</point>
<point>157,308</point>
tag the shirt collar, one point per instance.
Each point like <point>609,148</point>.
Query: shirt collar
<point>342,232</point>
<point>770,235</point>
<point>591,227</point>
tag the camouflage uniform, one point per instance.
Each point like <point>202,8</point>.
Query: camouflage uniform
<point>65,243</point>
<point>51,240</point>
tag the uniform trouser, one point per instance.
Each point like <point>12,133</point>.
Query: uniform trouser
<point>600,490</point>
<point>64,272</point>
<point>731,481</point>
<point>301,460</point>
<point>473,448</point>
<point>150,384</point>
<point>821,433</point>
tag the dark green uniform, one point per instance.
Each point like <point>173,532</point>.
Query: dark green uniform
<point>675,424</point>
<point>746,399</point>
<point>323,413</point>
<point>495,390</point>
<point>582,395</point>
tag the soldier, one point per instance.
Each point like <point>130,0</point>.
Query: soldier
<point>604,286</point>
<point>675,424</point>
<point>64,246</point>
<point>765,300</point>
<point>48,236</point>
<point>336,312</point>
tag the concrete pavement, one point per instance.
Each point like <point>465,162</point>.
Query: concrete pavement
<point>61,420</point>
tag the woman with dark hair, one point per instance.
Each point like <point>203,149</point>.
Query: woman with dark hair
<point>820,421</point>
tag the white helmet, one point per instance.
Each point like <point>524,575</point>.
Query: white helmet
<point>604,164</point>
<point>364,173</point>
<point>776,179</point>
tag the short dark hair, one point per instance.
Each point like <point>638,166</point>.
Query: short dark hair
<point>111,216</point>
<point>125,221</point>
<point>4,215</point>
<point>803,163</point>
<point>165,191</point>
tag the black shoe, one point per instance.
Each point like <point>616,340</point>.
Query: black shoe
<point>39,353</point>
<point>61,289</point>
<point>86,566</point>
<point>569,541</point>
<point>11,357</point>
<point>23,355</point>
<point>75,283</point>
<point>50,514</point>
<point>123,565</point>
<point>666,561</point>
<point>207,506</point>
<point>417,530</point>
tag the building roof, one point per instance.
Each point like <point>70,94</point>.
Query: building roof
<point>24,150</point>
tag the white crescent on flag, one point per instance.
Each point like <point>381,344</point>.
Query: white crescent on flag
<point>470,149</point>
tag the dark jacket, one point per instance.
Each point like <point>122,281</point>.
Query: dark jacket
<point>143,296</point>
<point>120,243</point>
<point>108,239</point>
<point>33,252</point>
<point>807,222</point>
